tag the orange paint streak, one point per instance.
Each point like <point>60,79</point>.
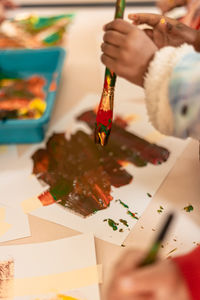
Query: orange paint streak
<point>46,199</point>
<point>123,163</point>
<point>104,198</point>
<point>53,86</point>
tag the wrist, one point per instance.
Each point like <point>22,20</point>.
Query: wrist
<point>146,67</point>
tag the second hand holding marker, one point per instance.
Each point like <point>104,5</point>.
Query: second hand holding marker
<point>153,252</point>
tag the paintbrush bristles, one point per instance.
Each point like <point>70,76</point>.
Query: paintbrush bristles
<point>104,116</point>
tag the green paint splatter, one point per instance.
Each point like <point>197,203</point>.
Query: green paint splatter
<point>160,210</point>
<point>122,203</point>
<point>149,195</point>
<point>132,215</point>
<point>189,208</point>
<point>124,222</point>
<point>112,224</point>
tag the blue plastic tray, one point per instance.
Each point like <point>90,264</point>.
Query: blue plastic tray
<point>25,63</point>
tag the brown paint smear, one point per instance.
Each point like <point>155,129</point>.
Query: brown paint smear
<point>80,174</point>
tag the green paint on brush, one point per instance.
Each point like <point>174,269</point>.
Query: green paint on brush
<point>124,222</point>
<point>132,215</point>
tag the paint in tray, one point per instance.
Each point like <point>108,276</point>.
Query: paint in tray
<point>41,64</point>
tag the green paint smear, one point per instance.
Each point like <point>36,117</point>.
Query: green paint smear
<point>54,37</point>
<point>189,208</point>
<point>112,224</point>
<point>122,203</point>
<point>124,222</point>
<point>132,215</point>
<point>60,189</point>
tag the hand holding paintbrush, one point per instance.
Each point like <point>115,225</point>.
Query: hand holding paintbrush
<point>142,277</point>
<point>105,111</point>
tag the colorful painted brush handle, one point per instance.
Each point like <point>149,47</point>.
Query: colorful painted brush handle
<point>105,111</point>
<point>110,77</point>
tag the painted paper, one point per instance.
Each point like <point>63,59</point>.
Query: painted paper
<point>135,194</point>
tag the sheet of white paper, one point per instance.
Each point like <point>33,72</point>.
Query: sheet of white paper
<point>54,258</point>
<point>13,223</point>
<point>146,179</point>
<point>183,236</point>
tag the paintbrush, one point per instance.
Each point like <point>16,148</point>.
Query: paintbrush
<point>105,111</point>
<point>152,254</point>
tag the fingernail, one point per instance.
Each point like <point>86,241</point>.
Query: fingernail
<point>126,283</point>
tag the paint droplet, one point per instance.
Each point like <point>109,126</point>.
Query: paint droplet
<point>122,203</point>
<point>121,230</point>
<point>149,195</point>
<point>189,208</point>
<point>124,222</point>
<point>112,224</point>
<point>133,215</point>
<point>122,245</point>
<point>160,210</point>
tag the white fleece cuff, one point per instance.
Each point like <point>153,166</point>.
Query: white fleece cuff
<point>156,84</point>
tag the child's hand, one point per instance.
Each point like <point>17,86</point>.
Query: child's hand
<point>159,281</point>
<point>167,5</point>
<point>127,50</point>
<point>166,31</point>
